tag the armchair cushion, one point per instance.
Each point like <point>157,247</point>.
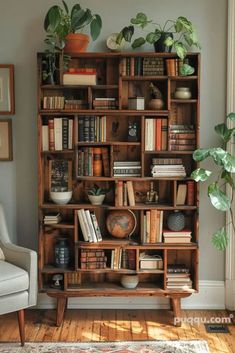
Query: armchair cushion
<point>13,279</point>
<point>2,257</point>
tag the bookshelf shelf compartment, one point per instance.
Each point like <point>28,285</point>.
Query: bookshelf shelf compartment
<point>111,150</point>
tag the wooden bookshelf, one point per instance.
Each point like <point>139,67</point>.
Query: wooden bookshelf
<point>115,81</point>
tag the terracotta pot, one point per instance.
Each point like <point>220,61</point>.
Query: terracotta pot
<point>76,43</point>
<point>156,104</point>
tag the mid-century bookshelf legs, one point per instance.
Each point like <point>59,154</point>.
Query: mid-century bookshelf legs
<point>61,306</point>
<point>175,304</point>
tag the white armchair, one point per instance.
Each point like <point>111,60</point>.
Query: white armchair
<point>18,277</point>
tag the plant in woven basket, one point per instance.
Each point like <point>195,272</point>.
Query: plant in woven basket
<point>222,177</point>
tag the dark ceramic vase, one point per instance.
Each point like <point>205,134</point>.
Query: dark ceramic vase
<point>62,253</point>
<point>160,46</point>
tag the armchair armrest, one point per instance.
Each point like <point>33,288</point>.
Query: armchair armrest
<point>26,259</point>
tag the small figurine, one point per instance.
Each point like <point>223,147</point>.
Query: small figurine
<point>152,196</point>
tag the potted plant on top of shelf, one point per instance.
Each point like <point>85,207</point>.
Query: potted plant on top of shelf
<point>178,34</point>
<point>62,27</point>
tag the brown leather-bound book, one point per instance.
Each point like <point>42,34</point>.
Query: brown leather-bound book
<point>97,161</point>
<point>164,135</point>
<point>105,158</point>
<point>51,135</point>
<point>190,193</point>
<point>153,226</point>
<point>120,193</point>
<point>130,193</point>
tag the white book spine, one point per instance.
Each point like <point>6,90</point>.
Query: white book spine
<point>82,225</point>
<point>90,225</point>
<point>86,226</point>
<point>45,138</point>
<point>70,144</point>
<point>58,134</point>
<point>96,227</point>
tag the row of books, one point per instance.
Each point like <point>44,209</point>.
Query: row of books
<point>105,103</point>
<point>75,104</point>
<point>93,161</point>
<point>92,259</point>
<point>123,258</point>
<point>89,226</point>
<point>53,102</point>
<point>92,129</point>
<point>142,66</point>
<point>186,193</point>
<point>57,135</point>
<point>173,237</point>
<point>153,224</point>
<point>80,76</point>
<point>155,134</point>
<point>169,167</point>
<point>73,278</point>
<point>126,168</point>
<point>182,138</point>
<point>173,67</point>
<point>178,277</point>
<point>124,194</point>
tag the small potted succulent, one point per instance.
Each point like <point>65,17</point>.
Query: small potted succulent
<point>96,195</point>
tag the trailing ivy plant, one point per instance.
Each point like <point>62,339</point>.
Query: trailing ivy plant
<point>221,177</point>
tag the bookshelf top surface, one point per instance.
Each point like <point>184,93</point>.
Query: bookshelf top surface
<point>124,54</point>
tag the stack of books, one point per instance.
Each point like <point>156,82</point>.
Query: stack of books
<point>172,237</point>
<point>57,135</point>
<point>153,222</point>
<point>126,169</point>
<point>52,218</point>
<point>105,103</point>
<point>88,158</point>
<point>53,102</point>
<point>92,129</point>
<point>75,104</point>
<point>168,167</point>
<point>153,67</point>
<point>93,259</point>
<point>89,226</point>
<point>150,262</point>
<point>80,76</point>
<point>182,138</point>
<point>178,277</point>
<point>125,193</point>
<point>156,134</point>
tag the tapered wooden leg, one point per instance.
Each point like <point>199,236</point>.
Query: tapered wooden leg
<point>20,314</point>
<point>61,305</point>
<point>171,305</point>
<point>176,305</point>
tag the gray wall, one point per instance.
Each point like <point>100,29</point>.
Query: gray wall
<point>21,36</point>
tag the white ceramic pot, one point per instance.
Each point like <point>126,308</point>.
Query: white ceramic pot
<point>96,200</point>
<point>61,197</point>
<point>183,93</point>
<point>129,281</point>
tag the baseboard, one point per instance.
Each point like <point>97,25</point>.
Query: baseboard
<point>230,294</point>
<point>211,296</point>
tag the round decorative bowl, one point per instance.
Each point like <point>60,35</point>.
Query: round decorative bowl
<point>156,104</point>
<point>129,281</point>
<point>121,223</point>
<point>96,199</point>
<point>61,197</point>
<point>183,93</point>
<point>176,221</point>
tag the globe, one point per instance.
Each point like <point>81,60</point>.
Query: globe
<point>121,223</point>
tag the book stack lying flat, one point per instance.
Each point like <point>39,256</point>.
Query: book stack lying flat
<point>150,262</point>
<point>172,237</point>
<point>92,129</point>
<point>153,221</point>
<point>168,167</point>
<point>81,76</point>
<point>105,103</point>
<point>182,138</point>
<point>126,169</point>
<point>93,259</point>
<point>156,134</point>
<point>52,218</point>
<point>89,226</point>
<point>178,277</point>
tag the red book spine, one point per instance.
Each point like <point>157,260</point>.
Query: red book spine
<point>190,193</point>
<point>159,134</point>
<point>51,135</point>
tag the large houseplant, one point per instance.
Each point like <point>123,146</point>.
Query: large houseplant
<point>223,176</point>
<point>178,34</point>
<point>62,27</point>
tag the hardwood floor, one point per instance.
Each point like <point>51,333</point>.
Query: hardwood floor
<point>115,325</point>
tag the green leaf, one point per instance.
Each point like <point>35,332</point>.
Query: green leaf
<point>119,37</point>
<point>218,198</point>
<point>153,37</point>
<point>188,40</point>
<point>169,41</point>
<point>224,132</point>
<point>218,154</point>
<point>127,33</point>
<point>138,42</point>
<point>186,70</point>
<point>229,163</point>
<point>180,49</point>
<point>228,178</point>
<point>140,20</point>
<point>65,6</point>
<point>200,174</point>
<point>76,17</point>
<point>201,154</point>
<point>75,8</point>
<point>95,27</point>
<point>231,116</point>
<point>85,20</point>
<point>220,239</point>
<point>52,19</point>
<point>184,24</point>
